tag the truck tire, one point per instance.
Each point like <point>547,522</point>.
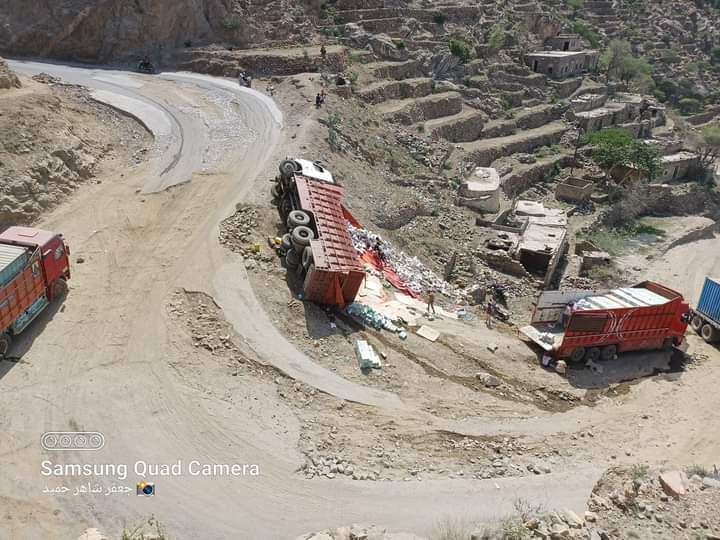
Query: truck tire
<point>696,323</point>
<point>287,242</point>
<point>593,354</point>
<point>709,333</point>
<point>301,237</point>
<point>307,257</point>
<point>608,352</point>
<point>577,355</point>
<point>288,167</point>
<point>275,191</point>
<point>59,288</point>
<point>292,259</point>
<point>5,342</point>
<point>297,218</point>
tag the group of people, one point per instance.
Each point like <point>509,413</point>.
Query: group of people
<point>320,99</point>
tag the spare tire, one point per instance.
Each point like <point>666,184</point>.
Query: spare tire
<point>301,237</point>
<point>297,218</point>
<point>307,257</point>
<point>292,259</point>
<point>288,167</point>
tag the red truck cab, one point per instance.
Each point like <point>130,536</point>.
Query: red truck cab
<point>34,269</point>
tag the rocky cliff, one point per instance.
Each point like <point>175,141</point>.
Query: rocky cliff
<point>8,79</point>
<point>123,30</point>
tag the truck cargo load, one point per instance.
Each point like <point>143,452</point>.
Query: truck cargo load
<point>34,269</point>
<point>584,325</point>
<point>705,319</point>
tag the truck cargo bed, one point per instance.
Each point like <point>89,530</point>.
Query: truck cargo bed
<point>12,260</point>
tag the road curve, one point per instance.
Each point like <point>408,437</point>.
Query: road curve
<point>110,359</point>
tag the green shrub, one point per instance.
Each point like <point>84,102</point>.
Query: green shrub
<point>400,44</point>
<point>496,41</point>
<point>689,105</point>
<point>439,17</point>
<point>461,48</point>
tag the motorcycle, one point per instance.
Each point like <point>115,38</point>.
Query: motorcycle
<point>245,80</point>
<point>145,66</point>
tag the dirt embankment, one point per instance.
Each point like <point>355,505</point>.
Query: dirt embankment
<point>8,79</point>
<point>53,138</point>
<point>117,30</point>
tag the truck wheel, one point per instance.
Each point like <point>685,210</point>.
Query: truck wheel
<point>577,355</point>
<point>5,342</point>
<point>59,288</point>
<point>696,323</point>
<point>297,218</point>
<point>275,191</point>
<point>709,333</point>
<point>307,257</point>
<point>301,237</point>
<point>608,352</point>
<point>592,354</point>
<point>292,259</point>
<point>288,167</point>
<point>285,206</point>
<point>287,241</point>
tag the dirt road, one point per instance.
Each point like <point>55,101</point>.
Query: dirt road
<point>109,359</point>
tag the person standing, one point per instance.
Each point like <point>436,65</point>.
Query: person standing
<point>431,301</point>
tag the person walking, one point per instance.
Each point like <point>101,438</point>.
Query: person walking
<point>431,301</point>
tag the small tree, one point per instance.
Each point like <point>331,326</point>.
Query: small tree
<point>496,40</point>
<point>709,149</point>
<point>689,105</point>
<point>461,48</point>
<point>615,148</point>
<point>619,63</point>
<point>575,5</point>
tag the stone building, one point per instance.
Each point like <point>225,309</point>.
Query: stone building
<point>565,42</point>
<point>677,166</point>
<point>481,191</point>
<point>562,64</point>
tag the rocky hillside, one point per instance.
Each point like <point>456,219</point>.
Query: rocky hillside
<point>8,79</point>
<point>121,30</point>
<point>53,137</point>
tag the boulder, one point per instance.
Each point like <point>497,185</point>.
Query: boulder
<point>8,79</point>
<point>571,518</point>
<point>491,381</point>
<point>384,47</point>
<point>674,483</point>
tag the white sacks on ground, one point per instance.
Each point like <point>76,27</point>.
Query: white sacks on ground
<point>409,269</point>
<point>366,355</point>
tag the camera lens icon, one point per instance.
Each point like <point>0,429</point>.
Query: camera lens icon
<point>145,489</point>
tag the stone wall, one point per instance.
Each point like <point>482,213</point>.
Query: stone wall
<point>410,88</point>
<point>225,63</point>
<point>427,108</point>
<point>465,130</point>
<point>398,70</point>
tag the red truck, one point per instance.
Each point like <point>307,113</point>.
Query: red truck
<point>585,325</point>
<point>318,245</point>
<point>34,269</point>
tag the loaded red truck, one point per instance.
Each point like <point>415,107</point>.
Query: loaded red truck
<point>584,325</point>
<point>34,269</point>
<point>318,245</point>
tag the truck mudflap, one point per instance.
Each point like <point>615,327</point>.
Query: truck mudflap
<point>543,337</point>
<point>29,314</point>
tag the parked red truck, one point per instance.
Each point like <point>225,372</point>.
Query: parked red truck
<point>318,245</point>
<point>34,269</point>
<point>583,325</point>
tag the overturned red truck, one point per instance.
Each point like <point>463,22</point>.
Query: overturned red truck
<point>583,325</point>
<point>318,245</point>
<point>34,269</point>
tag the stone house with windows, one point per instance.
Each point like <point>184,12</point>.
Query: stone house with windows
<point>562,64</point>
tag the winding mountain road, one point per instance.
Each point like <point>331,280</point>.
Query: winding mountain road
<point>108,359</point>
